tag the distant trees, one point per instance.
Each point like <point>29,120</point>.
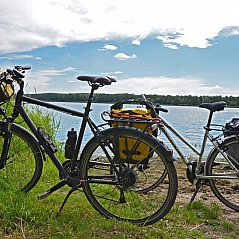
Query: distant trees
<point>161,99</point>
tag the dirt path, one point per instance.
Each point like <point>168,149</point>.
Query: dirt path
<point>185,193</point>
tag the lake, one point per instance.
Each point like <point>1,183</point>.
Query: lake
<point>188,120</point>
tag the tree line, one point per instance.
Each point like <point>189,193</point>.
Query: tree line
<point>187,100</point>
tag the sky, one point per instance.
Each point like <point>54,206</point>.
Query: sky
<point>164,47</point>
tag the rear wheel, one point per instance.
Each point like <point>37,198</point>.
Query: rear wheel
<point>118,186</point>
<point>226,189</point>
<point>24,160</point>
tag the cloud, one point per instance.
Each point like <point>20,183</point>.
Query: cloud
<point>41,80</point>
<point>168,86</point>
<point>54,72</point>
<point>230,31</point>
<point>108,47</point>
<point>171,46</point>
<point>112,73</point>
<point>136,42</point>
<point>122,56</point>
<point>168,39</point>
<point>16,57</point>
<point>27,25</point>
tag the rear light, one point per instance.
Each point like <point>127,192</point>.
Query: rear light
<point>170,152</point>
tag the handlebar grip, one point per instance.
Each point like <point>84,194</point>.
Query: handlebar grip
<point>26,68</point>
<point>159,108</point>
<point>163,110</point>
<point>22,68</point>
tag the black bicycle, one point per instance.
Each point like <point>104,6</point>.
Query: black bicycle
<point>109,168</point>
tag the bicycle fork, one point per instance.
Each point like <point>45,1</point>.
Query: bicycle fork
<point>7,135</point>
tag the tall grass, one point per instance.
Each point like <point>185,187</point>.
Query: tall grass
<point>24,216</point>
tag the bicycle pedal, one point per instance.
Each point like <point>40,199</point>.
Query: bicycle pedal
<point>43,195</point>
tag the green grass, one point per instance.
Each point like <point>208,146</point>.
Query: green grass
<point>24,216</point>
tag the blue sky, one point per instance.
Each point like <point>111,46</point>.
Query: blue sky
<point>153,47</point>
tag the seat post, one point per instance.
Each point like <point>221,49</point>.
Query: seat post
<point>207,129</point>
<point>209,119</point>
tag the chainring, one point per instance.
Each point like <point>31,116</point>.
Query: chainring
<point>67,166</point>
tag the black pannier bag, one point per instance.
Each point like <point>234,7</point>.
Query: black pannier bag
<point>232,128</point>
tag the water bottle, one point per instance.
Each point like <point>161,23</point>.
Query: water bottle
<point>70,143</point>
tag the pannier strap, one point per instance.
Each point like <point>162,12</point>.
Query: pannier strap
<point>128,116</point>
<point>216,106</point>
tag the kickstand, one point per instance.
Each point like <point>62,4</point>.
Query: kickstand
<point>65,200</point>
<point>198,187</point>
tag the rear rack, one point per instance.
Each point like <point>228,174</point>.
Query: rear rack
<point>124,117</point>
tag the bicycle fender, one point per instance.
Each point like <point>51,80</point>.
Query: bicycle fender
<point>168,153</point>
<point>31,136</point>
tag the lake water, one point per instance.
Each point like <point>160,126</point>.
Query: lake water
<point>188,121</point>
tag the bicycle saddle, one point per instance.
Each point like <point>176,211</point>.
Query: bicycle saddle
<point>216,106</point>
<point>103,80</point>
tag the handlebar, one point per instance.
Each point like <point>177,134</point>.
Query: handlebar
<point>17,73</point>
<point>157,108</point>
<point>22,68</point>
<point>160,108</point>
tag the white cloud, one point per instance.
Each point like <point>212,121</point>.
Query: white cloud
<point>108,47</point>
<point>112,73</point>
<point>136,42</point>
<point>26,25</point>
<point>16,57</point>
<point>40,80</point>
<point>19,57</point>
<point>171,46</point>
<point>122,56</point>
<point>168,86</point>
<point>54,72</point>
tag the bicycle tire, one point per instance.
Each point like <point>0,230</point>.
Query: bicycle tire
<point>128,201</point>
<point>24,163</point>
<point>226,190</point>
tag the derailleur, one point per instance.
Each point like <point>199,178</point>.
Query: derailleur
<point>129,179</point>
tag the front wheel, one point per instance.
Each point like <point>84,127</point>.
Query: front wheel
<point>119,186</point>
<point>226,189</point>
<point>24,160</point>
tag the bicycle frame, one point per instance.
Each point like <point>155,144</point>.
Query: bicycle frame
<point>165,126</point>
<point>50,150</point>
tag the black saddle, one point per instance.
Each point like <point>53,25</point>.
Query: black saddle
<point>216,106</point>
<point>102,80</point>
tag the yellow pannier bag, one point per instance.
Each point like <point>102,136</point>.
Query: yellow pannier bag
<point>6,91</point>
<point>6,87</point>
<point>139,118</point>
